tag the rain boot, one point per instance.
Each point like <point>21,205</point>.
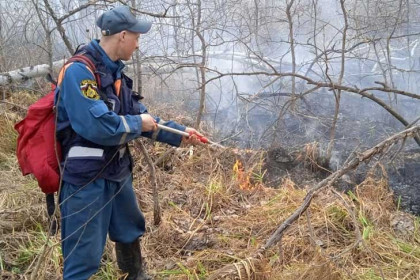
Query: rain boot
<point>130,261</point>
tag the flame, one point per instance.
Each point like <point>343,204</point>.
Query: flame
<point>241,176</point>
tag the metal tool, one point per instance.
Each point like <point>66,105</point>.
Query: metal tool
<point>202,139</point>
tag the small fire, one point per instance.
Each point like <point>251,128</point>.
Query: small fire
<point>241,176</point>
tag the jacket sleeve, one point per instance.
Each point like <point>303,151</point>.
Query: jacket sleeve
<point>161,135</point>
<point>166,136</point>
<point>89,116</point>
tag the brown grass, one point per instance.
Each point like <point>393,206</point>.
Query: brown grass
<point>211,227</point>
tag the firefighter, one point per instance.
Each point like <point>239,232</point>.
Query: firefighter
<point>98,114</point>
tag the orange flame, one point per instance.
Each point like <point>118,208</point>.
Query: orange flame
<point>241,176</point>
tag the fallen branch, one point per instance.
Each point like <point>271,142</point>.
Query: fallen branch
<point>163,157</point>
<point>14,105</point>
<point>352,164</point>
<point>157,218</point>
<point>276,237</point>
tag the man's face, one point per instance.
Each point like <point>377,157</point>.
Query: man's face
<point>129,43</point>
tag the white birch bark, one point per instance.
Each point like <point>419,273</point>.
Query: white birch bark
<point>26,73</point>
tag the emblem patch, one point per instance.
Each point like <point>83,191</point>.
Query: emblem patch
<point>89,89</point>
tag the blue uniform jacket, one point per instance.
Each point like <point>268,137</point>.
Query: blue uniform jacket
<point>94,133</point>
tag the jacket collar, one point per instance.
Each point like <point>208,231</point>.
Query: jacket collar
<point>115,67</point>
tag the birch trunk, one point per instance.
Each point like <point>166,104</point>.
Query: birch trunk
<point>27,73</point>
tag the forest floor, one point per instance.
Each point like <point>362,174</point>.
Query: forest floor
<point>218,209</point>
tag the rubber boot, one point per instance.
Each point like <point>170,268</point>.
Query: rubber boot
<point>130,261</point>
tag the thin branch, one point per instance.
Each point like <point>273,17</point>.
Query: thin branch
<point>76,10</point>
<point>352,164</point>
<point>276,237</point>
<point>157,218</point>
<point>330,85</point>
<point>60,27</point>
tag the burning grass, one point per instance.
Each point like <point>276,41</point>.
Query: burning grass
<point>217,213</point>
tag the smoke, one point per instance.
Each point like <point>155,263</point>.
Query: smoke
<point>256,110</point>
<point>266,118</point>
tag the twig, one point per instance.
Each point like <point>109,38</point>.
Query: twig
<point>156,208</point>
<point>352,164</point>
<point>358,232</point>
<point>230,137</point>
<point>14,105</point>
<point>168,152</point>
<point>331,85</point>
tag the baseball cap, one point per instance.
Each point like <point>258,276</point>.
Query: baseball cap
<point>120,18</point>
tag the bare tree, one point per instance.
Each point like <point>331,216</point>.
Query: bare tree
<point>282,58</point>
<point>337,93</point>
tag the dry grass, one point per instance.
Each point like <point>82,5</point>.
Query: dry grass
<point>212,226</point>
<point>214,223</point>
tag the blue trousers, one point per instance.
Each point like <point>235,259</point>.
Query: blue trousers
<point>88,214</point>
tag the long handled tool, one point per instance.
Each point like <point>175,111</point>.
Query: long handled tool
<point>202,139</point>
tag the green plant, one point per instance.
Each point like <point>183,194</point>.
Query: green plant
<point>258,177</point>
<point>337,214</point>
<point>352,196</point>
<point>185,271</point>
<point>399,203</point>
<point>367,226</point>
<point>214,187</point>
<point>408,248</point>
<point>259,174</point>
<point>203,274</point>
<point>107,271</point>
<point>37,241</point>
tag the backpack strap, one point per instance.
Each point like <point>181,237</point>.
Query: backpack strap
<point>51,79</point>
<point>49,198</point>
<point>86,61</point>
<point>79,47</point>
<point>84,58</point>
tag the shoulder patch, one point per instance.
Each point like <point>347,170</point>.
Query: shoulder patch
<point>89,89</point>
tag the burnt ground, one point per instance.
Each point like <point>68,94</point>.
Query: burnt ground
<point>280,164</point>
<point>305,168</point>
<point>404,179</point>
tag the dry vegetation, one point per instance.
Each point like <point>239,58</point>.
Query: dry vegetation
<point>216,213</point>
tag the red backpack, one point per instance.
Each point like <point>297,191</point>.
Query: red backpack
<point>37,150</point>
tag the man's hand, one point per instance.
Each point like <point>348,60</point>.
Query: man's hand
<point>148,123</point>
<point>193,139</point>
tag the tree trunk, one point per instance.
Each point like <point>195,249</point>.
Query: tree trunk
<point>202,83</point>
<point>60,28</point>
<point>28,73</point>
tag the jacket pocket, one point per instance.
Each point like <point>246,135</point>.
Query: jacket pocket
<point>98,109</point>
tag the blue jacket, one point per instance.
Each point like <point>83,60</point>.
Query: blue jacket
<point>95,123</point>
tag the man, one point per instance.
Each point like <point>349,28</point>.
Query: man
<point>96,120</point>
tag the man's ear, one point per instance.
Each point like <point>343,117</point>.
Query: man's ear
<point>123,34</point>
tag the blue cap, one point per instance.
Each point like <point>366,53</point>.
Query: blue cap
<point>119,19</point>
